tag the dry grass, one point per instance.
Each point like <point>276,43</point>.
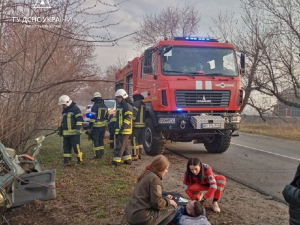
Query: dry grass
<point>288,131</point>
<point>92,193</point>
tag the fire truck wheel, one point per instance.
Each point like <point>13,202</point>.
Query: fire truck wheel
<point>154,142</point>
<point>220,143</point>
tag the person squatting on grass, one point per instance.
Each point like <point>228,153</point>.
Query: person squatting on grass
<point>198,178</point>
<point>291,194</point>
<point>146,205</point>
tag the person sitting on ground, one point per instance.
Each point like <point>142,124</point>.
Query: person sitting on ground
<point>193,213</point>
<point>146,205</point>
<point>291,194</point>
<point>198,178</point>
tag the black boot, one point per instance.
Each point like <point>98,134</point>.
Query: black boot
<point>79,161</point>
<point>97,155</point>
<point>67,161</point>
<point>114,164</point>
<point>128,162</point>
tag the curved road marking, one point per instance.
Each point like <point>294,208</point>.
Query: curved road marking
<point>256,149</point>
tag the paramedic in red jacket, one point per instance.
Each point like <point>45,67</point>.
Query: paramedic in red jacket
<point>198,178</point>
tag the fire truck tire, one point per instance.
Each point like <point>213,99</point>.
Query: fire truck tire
<point>153,141</point>
<point>220,143</point>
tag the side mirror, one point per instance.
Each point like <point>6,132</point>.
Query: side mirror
<point>148,61</point>
<point>243,61</point>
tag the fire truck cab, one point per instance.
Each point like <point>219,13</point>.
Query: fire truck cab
<point>192,90</point>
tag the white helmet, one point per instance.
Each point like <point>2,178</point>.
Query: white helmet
<point>97,95</point>
<point>121,93</point>
<point>64,100</point>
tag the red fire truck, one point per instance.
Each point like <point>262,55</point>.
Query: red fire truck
<point>192,90</point>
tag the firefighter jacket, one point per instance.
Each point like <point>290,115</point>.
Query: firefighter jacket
<point>72,120</point>
<point>139,114</point>
<point>112,119</point>
<point>100,115</point>
<point>291,194</point>
<point>146,197</point>
<point>124,118</point>
<point>208,180</point>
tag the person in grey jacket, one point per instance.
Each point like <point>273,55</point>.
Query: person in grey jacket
<point>291,194</point>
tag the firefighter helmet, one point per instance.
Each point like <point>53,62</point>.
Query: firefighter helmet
<point>97,95</point>
<point>121,93</point>
<point>137,94</point>
<point>64,100</point>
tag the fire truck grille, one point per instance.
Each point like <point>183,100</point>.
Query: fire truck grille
<point>202,98</point>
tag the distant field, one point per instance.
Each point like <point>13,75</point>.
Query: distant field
<point>287,131</point>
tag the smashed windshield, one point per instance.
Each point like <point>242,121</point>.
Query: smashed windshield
<point>199,61</point>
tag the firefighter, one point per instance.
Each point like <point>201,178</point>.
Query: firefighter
<point>111,129</point>
<point>138,125</point>
<point>98,124</point>
<point>123,128</point>
<point>70,126</point>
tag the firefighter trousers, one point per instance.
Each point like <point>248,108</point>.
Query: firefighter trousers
<point>197,188</point>
<point>69,143</point>
<point>98,139</point>
<point>121,149</point>
<point>111,129</point>
<point>137,141</point>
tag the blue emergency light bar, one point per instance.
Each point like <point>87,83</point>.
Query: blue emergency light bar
<point>196,39</point>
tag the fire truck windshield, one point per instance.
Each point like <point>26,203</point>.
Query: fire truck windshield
<point>181,60</point>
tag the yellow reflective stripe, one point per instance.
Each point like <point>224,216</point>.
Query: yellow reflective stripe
<point>127,122</point>
<point>69,121</point>
<point>98,148</point>
<point>78,123</point>
<point>142,115</point>
<point>68,155</point>
<point>114,119</point>
<point>141,146</point>
<point>135,108</point>
<point>134,145</point>
<point>99,114</point>
<point>117,159</point>
<point>139,125</point>
<point>120,119</point>
<point>111,141</point>
<point>79,155</point>
<point>126,157</point>
<point>92,120</point>
<point>128,112</point>
<point>100,124</point>
<point>77,115</point>
<point>69,132</point>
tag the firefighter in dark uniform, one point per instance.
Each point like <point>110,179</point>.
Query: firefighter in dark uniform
<point>123,128</point>
<point>98,124</point>
<point>111,129</point>
<point>138,125</point>
<point>70,126</point>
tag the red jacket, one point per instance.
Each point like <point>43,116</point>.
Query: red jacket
<point>208,180</point>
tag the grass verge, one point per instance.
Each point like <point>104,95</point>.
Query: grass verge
<point>288,131</point>
<point>92,193</point>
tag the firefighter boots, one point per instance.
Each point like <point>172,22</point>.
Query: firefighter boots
<point>67,161</point>
<point>98,154</point>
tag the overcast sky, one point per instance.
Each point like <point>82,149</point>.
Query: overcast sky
<point>132,12</point>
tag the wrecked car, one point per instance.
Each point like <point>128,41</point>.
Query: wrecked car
<point>22,179</point>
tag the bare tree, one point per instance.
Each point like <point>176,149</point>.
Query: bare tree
<point>269,37</point>
<point>45,53</point>
<point>170,22</point>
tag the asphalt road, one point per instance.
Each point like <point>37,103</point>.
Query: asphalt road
<point>265,163</point>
